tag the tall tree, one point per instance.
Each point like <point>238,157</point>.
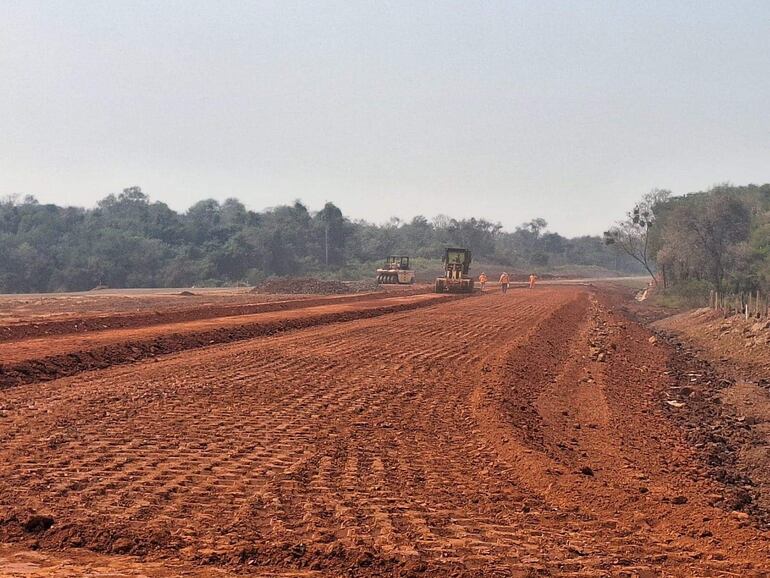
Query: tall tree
<point>720,222</point>
<point>632,235</point>
<point>332,224</point>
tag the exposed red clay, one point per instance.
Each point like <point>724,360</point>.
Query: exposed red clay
<point>516,435</point>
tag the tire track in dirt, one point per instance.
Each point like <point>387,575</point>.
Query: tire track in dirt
<point>360,407</point>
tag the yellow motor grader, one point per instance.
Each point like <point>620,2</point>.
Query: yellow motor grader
<point>456,279</point>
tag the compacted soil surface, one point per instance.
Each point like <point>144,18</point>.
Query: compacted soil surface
<point>527,434</point>
<point>34,359</point>
<point>50,306</point>
<point>47,316</point>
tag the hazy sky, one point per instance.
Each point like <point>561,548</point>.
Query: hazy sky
<point>504,110</point>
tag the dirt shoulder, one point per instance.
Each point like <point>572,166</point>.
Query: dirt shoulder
<point>725,396</point>
<point>737,343</point>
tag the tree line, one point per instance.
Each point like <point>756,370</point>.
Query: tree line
<point>129,241</point>
<point>717,239</point>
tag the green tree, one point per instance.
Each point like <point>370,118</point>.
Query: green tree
<point>331,225</point>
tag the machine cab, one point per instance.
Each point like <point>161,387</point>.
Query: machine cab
<point>397,262</point>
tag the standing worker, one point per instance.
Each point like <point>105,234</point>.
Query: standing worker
<point>532,280</point>
<point>482,280</point>
<point>504,280</point>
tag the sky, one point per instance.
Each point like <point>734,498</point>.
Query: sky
<point>505,110</point>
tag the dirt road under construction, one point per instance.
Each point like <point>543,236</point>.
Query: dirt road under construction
<point>524,434</point>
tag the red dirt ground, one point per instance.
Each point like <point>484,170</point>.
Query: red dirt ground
<point>744,343</point>
<point>739,362</point>
<point>48,316</point>
<point>517,435</point>
<point>47,306</point>
<point>43,358</point>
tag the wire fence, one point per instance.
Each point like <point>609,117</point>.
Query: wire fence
<point>751,305</point>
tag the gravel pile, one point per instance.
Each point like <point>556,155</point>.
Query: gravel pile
<point>364,286</point>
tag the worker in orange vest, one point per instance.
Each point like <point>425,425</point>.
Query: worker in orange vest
<point>482,280</point>
<point>532,280</point>
<point>504,280</point>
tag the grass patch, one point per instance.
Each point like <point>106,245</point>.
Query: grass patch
<point>686,295</point>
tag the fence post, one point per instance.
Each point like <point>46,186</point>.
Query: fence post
<point>748,305</point>
<point>756,304</point>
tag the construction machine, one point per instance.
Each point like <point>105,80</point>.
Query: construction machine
<point>396,271</point>
<point>456,279</point>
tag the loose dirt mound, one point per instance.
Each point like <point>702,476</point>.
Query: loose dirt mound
<point>735,340</point>
<point>302,286</point>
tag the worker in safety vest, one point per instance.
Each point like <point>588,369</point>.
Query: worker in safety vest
<point>504,280</point>
<point>532,280</point>
<point>482,280</point>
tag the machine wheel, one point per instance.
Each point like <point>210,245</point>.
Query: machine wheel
<point>439,286</point>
